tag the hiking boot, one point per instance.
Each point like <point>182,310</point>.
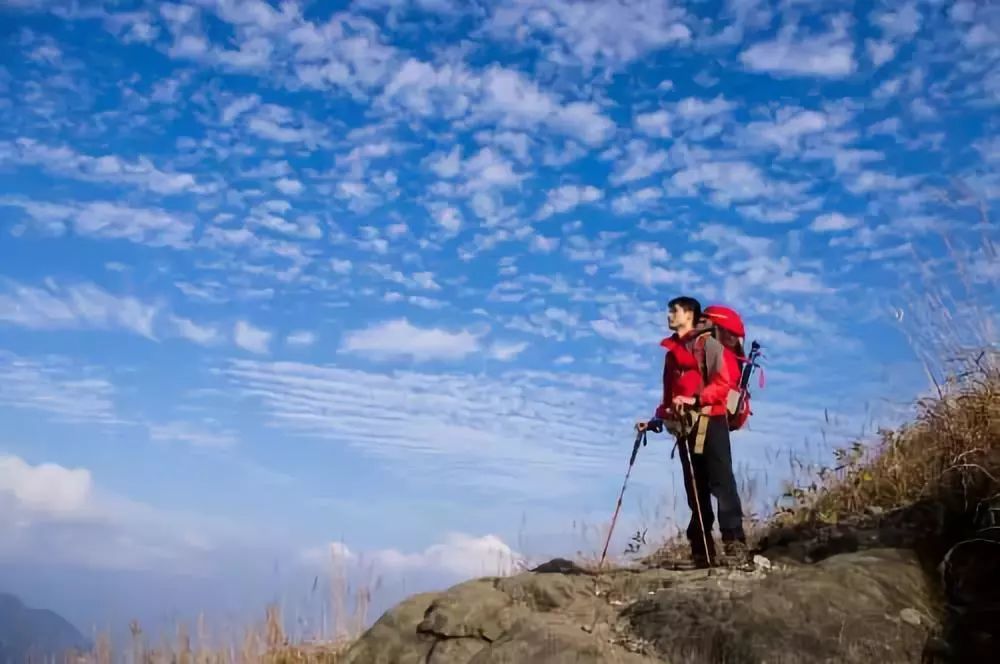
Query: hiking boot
<point>700,562</point>
<point>699,558</point>
<point>736,554</point>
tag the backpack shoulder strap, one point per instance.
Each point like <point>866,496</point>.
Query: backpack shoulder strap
<point>698,350</point>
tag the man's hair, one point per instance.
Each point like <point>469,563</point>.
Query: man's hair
<point>688,304</point>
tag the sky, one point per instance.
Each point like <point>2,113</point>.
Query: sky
<point>384,281</point>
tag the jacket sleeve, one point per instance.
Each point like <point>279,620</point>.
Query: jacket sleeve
<point>716,390</point>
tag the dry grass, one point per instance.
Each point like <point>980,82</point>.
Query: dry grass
<point>950,455</point>
<point>263,643</point>
<point>266,643</point>
<point>945,463</point>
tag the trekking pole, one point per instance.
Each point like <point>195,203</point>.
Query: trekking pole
<point>697,500</point>
<point>640,439</point>
<point>752,362</point>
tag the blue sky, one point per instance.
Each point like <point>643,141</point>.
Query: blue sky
<point>393,273</point>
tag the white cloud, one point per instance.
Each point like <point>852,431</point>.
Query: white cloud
<point>638,163</point>
<point>200,334</point>
<point>191,434</point>
<point>730,241</point>
<point>79,306</point>
<point>69,163</point>
<point>416,280</point>
<point>238,107</point>
<point>250,338</point>
<point>845,160</point>
<point>132,27</point>
<point>341,265</point>
<point>655,124</point>
<point>773,275</point>
<point>506,351</point>
<point>368,149</point>
<point>608,33</point>
<point>289,186</point>
<point>513,99</point>
<point>449,165</point>
<point>829,54</point>
<point>788,128</point>
<point>57,387</point>
<point>644,265</point>
<point>899,24</point>
<point>693,109</point>
<point>615,331</point>
<point>417,300</point>
<point>448,218</point>
<point>424,89</point>
<point>51,513</point>
<point>194,47</point>
<point>499,96</point>
<point>582,121</point>
<point>550,323</point>
<point>880,51</point>
<point>86,306</point>
<point>397,230</point>
<point>270,216</point>
<point>875,181</point>
<point>778,211</point>
<point>460,554</point>
<point>301,338</point>
<point>488,170</point>
<point>279,124</point>
<point>728,182</point>
<point>149,226</point>
<point>833,221</point>
<point>346,52</point>
<point>567,197</point>
<point>544,245</point>
<point>426,281</point>
<point>778,338</point>
<point>629,360</point>
<point>46,488</point>
<point>635,201</point>
<point>400,338</point>
<point>440,423</point>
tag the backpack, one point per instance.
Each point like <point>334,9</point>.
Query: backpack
<point>726,326</point>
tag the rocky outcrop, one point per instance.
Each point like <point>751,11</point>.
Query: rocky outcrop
<point>872,605</point>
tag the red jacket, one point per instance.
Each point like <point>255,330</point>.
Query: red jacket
<point>689,361</point>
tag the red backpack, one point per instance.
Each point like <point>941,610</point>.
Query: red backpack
<point>727,327</point>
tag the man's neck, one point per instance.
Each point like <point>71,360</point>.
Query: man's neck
<point>684,331</point>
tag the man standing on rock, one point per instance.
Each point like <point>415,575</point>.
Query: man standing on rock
<point>696,384</point>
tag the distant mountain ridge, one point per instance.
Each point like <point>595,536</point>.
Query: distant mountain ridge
<point>32,633</point>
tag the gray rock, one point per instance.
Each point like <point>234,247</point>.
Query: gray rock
<point>394,639</point>
<point>849,608</point>
<point>474,609</point>
<point>839,610</point>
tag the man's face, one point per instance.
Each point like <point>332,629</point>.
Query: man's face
<point>678,317</point>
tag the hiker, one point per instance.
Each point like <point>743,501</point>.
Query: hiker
<point>697,384</point>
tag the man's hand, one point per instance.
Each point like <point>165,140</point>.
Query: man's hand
<point>655,425</point>
<point>680,403</point>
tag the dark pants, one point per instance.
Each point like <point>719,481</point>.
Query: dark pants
<point>713,475</point>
